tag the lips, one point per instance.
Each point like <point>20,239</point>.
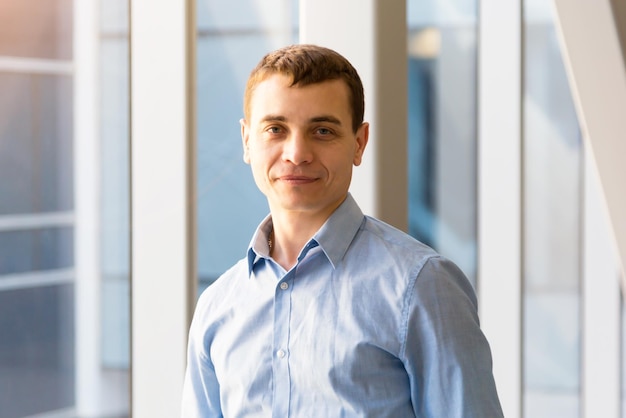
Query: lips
<point>297,179</point>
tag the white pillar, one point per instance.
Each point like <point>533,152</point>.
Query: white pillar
<point>163,204</point>
<point>601,349</point>
<point>499,194</point>
<point>372,35</point>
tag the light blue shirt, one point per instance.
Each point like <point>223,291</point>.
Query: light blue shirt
<point>368,323</point>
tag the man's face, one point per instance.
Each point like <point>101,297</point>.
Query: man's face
<point>300,144</point>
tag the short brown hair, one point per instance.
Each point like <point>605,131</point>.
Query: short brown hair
<point>309,64</point>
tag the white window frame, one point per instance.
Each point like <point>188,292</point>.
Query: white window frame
<point>163,203</point>
<point>499,193</point>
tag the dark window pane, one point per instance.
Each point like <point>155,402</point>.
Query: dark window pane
<point>442,136</point>
<point>41,249</point>
<point>36,350</point>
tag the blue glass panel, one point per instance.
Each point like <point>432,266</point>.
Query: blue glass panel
<point>33,250</point>
<point>36,159</point>
<point>552,175</point>
<point>442,128</point>
<point>36,350</point>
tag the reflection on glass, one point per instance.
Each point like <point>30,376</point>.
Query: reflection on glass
<point>36,29</point>
<point>232,38</point>
<point>552,199</point>
<point>442,127</point>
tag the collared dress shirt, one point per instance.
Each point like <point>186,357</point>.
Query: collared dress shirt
<point>368,323</point>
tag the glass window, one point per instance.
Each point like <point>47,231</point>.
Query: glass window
<point>36,349</point>
<point>35,143</point>
<point>36,220</point>
<point>442,127</point>
<point>44,367</point>
<point>552,156</point>
<point>232,37</point>
<point>114,219</point>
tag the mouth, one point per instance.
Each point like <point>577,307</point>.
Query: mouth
<point>297,180</point>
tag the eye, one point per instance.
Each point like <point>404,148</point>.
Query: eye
<point>324,131</point>
<point>274,131</point>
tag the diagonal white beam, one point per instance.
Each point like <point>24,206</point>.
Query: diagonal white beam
<point>595,66</point>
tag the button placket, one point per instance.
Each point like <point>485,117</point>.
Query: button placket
<point>280,366</point>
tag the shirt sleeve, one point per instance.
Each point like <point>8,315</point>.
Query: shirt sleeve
<point>446,355</point>
<point>201,392</point>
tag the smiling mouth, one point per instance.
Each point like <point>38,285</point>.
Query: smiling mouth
<point>297,180</point>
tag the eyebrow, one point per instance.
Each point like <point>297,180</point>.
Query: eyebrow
<point>326,118</point>
<point>316,119</point>
<point>274,118</point>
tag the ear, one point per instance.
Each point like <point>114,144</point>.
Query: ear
<point>361,138</point>
<point>245,136</point>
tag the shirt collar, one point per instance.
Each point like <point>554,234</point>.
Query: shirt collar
<point>339,230</point>
<point>334,237</point>
<point>259,246</point>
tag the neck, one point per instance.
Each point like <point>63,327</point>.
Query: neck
<point>288,237</point>
<point>292,230</point>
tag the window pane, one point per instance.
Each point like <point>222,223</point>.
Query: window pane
<point>232,38</point>
<point>36,250</point>
<point>114,147</point>
<point>35,143</point>
<point>37,300</point>
<point>36,29</point>
<point>112,366</point>
<point>552,154</point>
<point>36,350</point>
<point>442,127</point>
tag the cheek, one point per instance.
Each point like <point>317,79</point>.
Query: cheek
<point>260,169</point>
<point>342,169</point>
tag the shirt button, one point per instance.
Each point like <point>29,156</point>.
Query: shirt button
<point>284,285</point>
<point>280,353</point>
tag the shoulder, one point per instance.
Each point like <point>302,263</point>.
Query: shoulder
<point>388,241</point>
<point>428,272</point>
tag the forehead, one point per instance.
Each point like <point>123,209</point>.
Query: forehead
<point>276,95</point>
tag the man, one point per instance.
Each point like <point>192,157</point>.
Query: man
<point>331,313</point>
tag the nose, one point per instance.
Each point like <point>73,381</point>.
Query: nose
<point>297,149</point>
